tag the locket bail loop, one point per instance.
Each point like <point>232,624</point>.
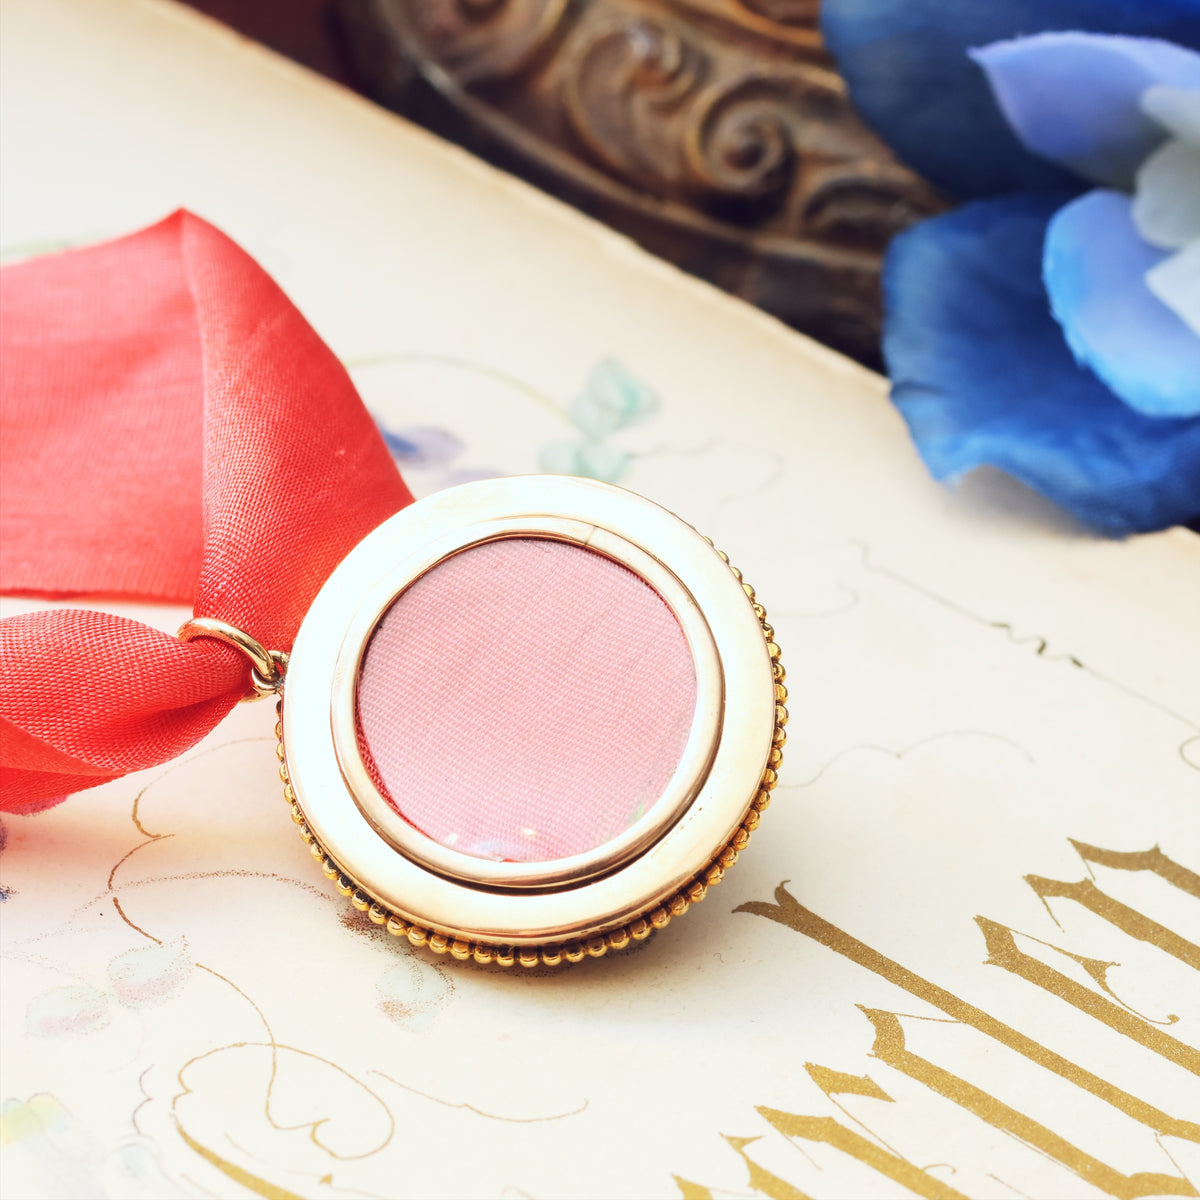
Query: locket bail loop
<point>267,667</point>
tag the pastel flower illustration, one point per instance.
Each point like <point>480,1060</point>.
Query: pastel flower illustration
<point>611,400</point>
<point>579,456</point>
<point>411,992</point>
<point>150,975</point>
<point>50,1153</point>
<point>1051,326</point>
<point>68,1011</point>
<point>429,448</point>
<point>422,445</point>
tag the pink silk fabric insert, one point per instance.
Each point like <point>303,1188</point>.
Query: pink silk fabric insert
<point>526,700</point>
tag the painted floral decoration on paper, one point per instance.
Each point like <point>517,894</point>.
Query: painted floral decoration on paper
<point>50,1153</point>
<point>429,448</point>
<point>141,978</point>
<point>1051,325</point>
<point>410,992</point>
<point>610,400</point>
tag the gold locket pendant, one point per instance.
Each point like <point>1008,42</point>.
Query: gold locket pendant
<point>530,720</point>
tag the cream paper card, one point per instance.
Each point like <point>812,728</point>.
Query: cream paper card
<point>960,957</point>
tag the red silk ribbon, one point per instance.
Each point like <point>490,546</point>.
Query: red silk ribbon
<point>171,429</point>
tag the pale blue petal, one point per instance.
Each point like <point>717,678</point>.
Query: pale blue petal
<point>1166,205</point>
<point>1176,282</point>
<point>1176,110</point>
<point>982,375</point>
<point>909,75</point>
<point>1095,275</point>
<point>1074,98</point>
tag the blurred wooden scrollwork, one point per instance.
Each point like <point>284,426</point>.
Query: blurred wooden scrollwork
<point>715,132</point>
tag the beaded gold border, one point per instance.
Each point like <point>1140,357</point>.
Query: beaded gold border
<point>553,955</point>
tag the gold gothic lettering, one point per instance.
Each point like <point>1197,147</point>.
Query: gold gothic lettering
<point>840,1083</point>
<point>832,1133</point>
<point>892,1164</point>
<point>1003,951</point>
<point>890,1048</point>
<point>1152,860</point>
<point>761,1180</point>
<point>788,911</point>
<point>1086,894</point>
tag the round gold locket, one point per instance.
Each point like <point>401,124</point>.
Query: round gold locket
<point>530,720</point>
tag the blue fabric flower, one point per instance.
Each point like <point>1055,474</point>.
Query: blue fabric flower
<point>982,374</point>
<point>911,78</point>
<point>1095,267</point>
<point>1075,98</point>
<point>1053,334</point>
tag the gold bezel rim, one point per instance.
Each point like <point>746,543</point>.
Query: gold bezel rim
<point>681,789</point>
<point>659,917</point>
<point>630,900</point>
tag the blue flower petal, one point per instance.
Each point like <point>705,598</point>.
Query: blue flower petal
<point>909,75</point>
<point>982,375</point>
<point>1074,98</point>
<point>1094,268</point>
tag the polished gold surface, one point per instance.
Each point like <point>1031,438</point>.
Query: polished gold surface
<point>531,913</point>
<point>552,955</point>
<point>267,667</point>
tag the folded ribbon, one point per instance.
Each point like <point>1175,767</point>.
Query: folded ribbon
<point>171,429</point>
